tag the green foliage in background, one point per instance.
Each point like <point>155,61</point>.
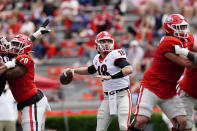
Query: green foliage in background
<point>88,123</point>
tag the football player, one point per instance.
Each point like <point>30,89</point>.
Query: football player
<point>4,51</point>
<point>113,69</point>
<point>187,86</point>
<point>31,101</point>
<point>158,86</point>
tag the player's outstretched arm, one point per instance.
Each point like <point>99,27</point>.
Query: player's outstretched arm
<point>184,51</point>
<point>18,71</point>
<point>42,30</point>
<point>85,70</point>
<point>8,65</point>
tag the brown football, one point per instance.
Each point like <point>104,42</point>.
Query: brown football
<point>66,79</point>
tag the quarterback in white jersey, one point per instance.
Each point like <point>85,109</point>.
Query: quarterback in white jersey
<point>113,69</point>
<point>108,67</point>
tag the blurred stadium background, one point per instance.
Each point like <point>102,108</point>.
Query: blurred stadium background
<point>135,24</point>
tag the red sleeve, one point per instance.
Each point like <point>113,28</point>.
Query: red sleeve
<point>167,43</point>
<point>190,41</point>
<point>25,60</point>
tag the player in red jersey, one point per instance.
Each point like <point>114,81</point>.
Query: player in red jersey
<point>158,86</point>
<point>31,101</point>
<point>187,87</point>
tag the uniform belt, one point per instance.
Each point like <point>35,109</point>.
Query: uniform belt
<point>38,96</point>
<point>116,91</point>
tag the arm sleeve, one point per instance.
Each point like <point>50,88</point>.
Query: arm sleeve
<point>122,62</point>
<point>24,60</point>
<point>91,69</point>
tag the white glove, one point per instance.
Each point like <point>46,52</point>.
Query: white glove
<point>10,64</point>
<point>41,31</point>
<point>181,51</point>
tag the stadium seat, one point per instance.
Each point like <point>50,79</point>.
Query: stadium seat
<point>67,47</point>
<point>88,96</point>
<point>54,70</point>
<point>68,44</point>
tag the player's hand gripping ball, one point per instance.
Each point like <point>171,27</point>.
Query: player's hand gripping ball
<point>67,76</point>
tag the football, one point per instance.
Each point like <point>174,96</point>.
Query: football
<point>66,78</point>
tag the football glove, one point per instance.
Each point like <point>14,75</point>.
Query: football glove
<point>10,64</point>
<point>180,51</point>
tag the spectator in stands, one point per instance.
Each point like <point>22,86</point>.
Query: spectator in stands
<point>39,51</point>
<point>144,64</point>
<point>3,27</point>
<point>86,2</point>
<point>143,28</point>
<point>66,11</point>
<point>8,111</point>
<point>117,22</point>
<point>103,20</point>
<point>28,26</point>
<point>14,26</point>
<point>86,50</point>
<point>49,8</point>
<point>125,40</point>
<point>36,11</point>
<point>157,30</point>
<point>101,2</point>
<point>79,21</point>
<point>135,54</point>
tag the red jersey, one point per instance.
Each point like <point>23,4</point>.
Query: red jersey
<point>24,87</point>
<point>162,76</point>
<point>188,83</point>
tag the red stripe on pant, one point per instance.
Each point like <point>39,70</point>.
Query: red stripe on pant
<point>129,94</point>
<point>31,118</point>
<point>140,97</point>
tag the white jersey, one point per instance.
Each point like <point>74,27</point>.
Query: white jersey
<point>107,67</point>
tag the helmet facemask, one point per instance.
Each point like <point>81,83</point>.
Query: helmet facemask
<point>105,45</point>
<point>16,47</point>
<point>181,30</point>
<point>20,45</point>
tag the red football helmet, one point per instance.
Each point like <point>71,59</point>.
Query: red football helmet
<point>20,45</point>
<point>104,42</point>
<point>4,45</point>
<point>177,26</point>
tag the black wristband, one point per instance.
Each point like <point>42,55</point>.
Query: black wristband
<point>117,75</point>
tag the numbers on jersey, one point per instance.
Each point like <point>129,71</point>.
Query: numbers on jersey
<point>24,60</point>
<point>102,70</point>
<point>122,52</point>
<point>4,59</point>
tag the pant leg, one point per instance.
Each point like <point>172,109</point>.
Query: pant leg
<point>103,117</point>
<point>124,109</point>
<point>33,116</point>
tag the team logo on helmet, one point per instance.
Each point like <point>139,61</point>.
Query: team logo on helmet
<point>170,19</point>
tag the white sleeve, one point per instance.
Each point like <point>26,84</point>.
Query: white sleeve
<point>95,61</point>
<point>118,54</point>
